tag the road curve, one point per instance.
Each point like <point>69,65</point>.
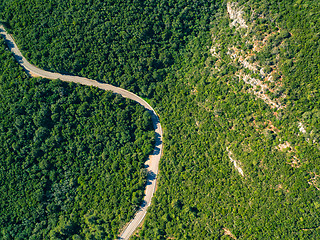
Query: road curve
<point>152,164</point>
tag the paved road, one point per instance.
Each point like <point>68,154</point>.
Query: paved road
<point>152,164</point>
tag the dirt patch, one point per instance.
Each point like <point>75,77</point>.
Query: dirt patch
<point>310,229</point>
<point>284,145</point>
<point>295,162</point>
<point>31,74</point>
<point>228,233</point>
<point>315,181</point>
<point>258,45</point>
<point>194,91</point>
<point>271,127</point>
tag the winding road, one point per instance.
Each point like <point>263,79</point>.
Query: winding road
<point>152,164</point>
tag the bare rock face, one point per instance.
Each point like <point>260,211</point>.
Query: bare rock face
<point>302,128</point>
<point>235,14</point>
<point>235,163</point>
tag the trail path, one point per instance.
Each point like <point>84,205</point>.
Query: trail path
<point>152,164</point>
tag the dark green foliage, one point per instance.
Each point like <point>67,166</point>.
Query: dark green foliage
<point>131,44</point>
<point>70,157</point>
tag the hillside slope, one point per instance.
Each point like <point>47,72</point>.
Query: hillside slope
<point>245,163</point>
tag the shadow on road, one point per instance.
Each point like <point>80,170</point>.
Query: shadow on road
<point>151,177</point>
<point>143,204</point>
<point>156,151</point>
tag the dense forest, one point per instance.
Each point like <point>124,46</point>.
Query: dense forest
<point>237,88</point>
<point>130,44</point>
<point>72,157</point>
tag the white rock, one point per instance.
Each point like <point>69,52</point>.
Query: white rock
<point>235,14</point>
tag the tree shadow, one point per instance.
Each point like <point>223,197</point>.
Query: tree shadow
<point>151,177</point>
<point>10,45</point>
<point>143,204</point>
<point>158,140</point>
